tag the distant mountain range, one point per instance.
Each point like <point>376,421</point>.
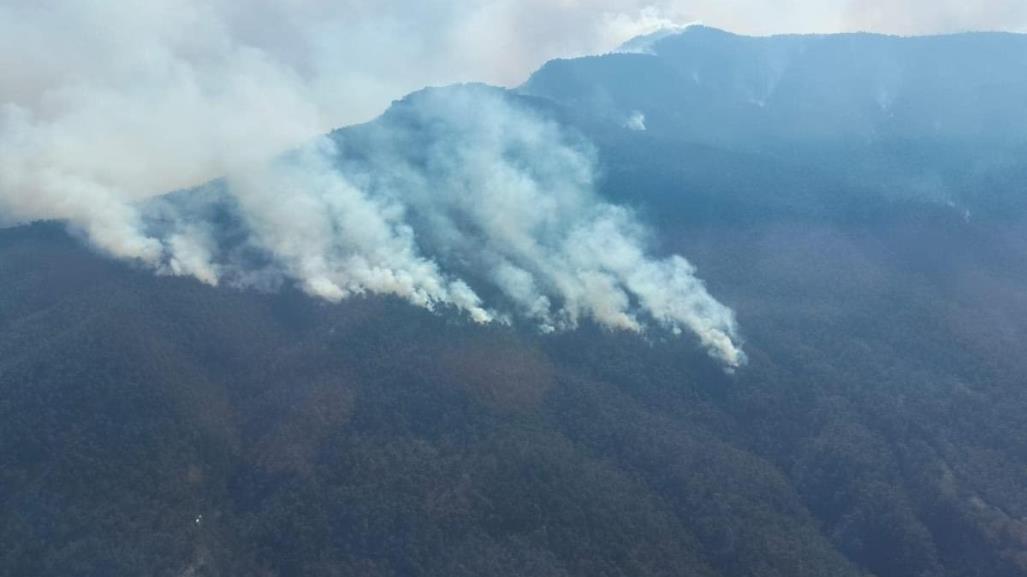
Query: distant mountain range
<point>710,86</point>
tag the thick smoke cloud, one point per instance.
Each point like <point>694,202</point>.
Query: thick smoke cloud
<point>457,198</point>
<point>103,103</point>
<point>333,237</point>
<point>504,195</point>
<point>106,105</point>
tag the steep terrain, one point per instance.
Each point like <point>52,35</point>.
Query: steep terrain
<point>152,425</point>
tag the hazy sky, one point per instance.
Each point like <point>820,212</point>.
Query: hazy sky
<point>907,17</point>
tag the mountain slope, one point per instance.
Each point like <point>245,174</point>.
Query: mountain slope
<point>939,119</point>
<point>717,87</point>
<point>154,425</point>
<point>878,425</point>
<point>270,431</point>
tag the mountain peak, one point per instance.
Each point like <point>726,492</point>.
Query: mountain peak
<point>707,85</point>
<point>645,43</point>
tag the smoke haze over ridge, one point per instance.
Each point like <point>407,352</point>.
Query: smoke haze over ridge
<point>456,191</point>
<point>104,105</point>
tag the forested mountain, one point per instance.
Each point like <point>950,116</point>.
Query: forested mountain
<point>858,201</point>
<point>717,87</point>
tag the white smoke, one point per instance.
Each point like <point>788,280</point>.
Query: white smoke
<point>104,103</point>
<point>105,106</point>
<point>457,192</point>
<point>635,122</point>
<point>515,196</point>
<point>335,239</point>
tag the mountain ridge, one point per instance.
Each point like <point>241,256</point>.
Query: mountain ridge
<point>156,425</point>
<point>858,88</point>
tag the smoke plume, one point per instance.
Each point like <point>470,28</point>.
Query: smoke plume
<point>105,107</point>
<point>463,197</point>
